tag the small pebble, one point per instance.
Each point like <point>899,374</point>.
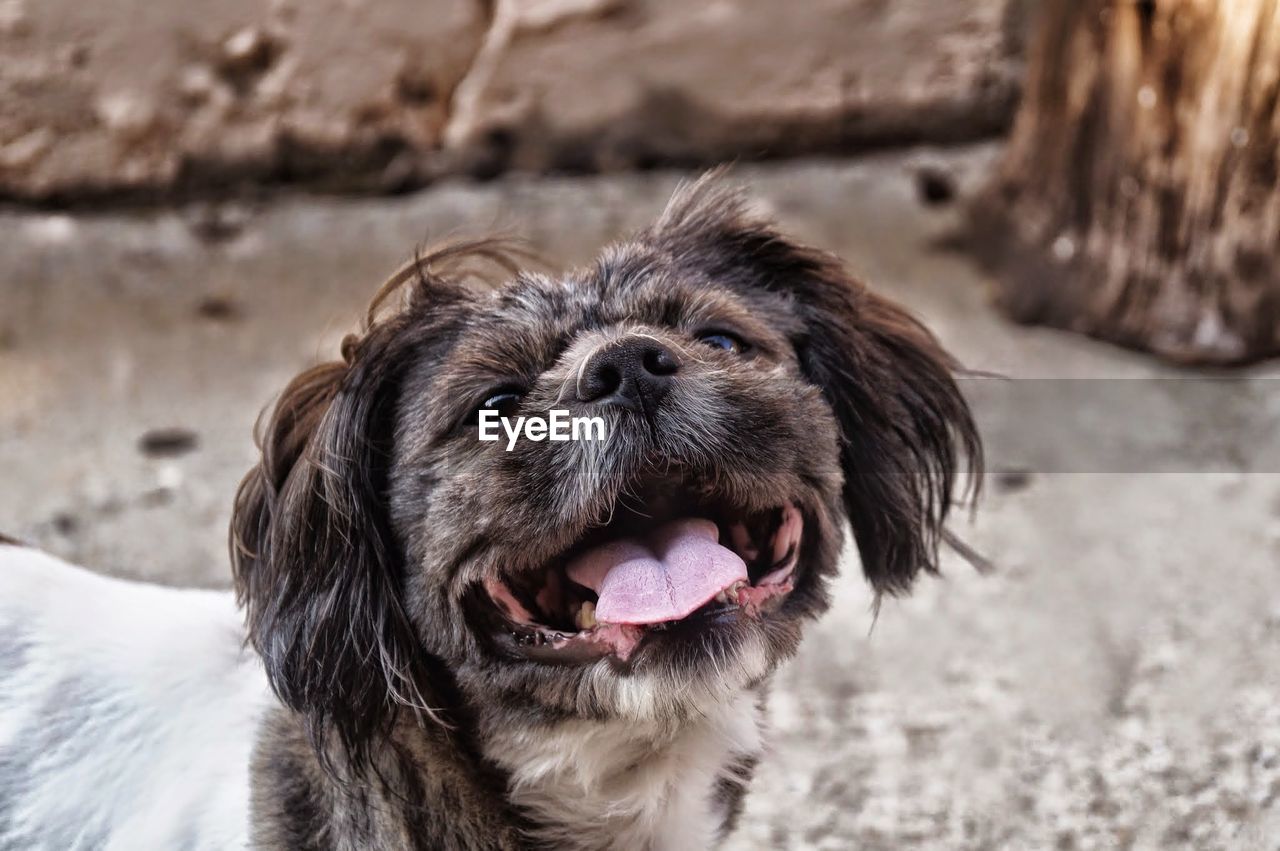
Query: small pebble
<point>935,186</point>
<point>168,442</point>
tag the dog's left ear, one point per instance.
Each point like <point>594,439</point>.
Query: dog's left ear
<point>316,565</point>
<point>906,429</point>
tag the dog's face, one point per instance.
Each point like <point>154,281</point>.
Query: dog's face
<point>753,397</point>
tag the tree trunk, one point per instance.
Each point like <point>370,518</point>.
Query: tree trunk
<point>1138,198</point>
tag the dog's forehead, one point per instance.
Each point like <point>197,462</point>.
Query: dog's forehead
<point>617,289</point>
<point>522,327</point>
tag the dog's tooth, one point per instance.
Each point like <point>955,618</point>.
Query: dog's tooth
<point>586,616</point>
<point>722,597</point>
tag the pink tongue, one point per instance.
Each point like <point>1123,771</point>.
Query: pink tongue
<point>666,577</point>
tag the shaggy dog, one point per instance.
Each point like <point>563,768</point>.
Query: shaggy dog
<point>453,644</point>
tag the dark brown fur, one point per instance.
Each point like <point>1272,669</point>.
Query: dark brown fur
<point>360,539</point>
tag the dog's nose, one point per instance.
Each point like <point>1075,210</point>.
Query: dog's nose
<point>633,373</point>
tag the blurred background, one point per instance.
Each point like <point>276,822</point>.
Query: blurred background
<point>197,200</point>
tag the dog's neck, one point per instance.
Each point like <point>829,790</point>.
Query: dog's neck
<point>632,784</point>
<point>567,784</point>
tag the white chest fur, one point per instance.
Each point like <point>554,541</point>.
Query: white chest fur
<point>626,785</point>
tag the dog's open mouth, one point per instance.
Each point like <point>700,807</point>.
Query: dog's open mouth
<point>674,560</point>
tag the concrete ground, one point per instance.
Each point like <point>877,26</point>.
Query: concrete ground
<point>1112,684</point>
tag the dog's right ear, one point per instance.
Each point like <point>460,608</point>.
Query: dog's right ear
<point>315,563</point>
<point>906,431</point>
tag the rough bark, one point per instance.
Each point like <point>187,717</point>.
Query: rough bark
<point>1138,198</point>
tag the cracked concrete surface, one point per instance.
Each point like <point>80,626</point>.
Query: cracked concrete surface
<point>1112,684</point>
<point>112,100</point>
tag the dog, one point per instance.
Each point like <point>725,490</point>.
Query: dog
<point>441,642</point>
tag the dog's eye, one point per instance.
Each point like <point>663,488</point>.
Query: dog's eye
<point>505,402</point>
<point>724,341</point>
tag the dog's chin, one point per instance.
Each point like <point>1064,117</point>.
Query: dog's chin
<point>682,581</point>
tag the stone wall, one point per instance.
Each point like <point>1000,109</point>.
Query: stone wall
<point>138,98</point>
